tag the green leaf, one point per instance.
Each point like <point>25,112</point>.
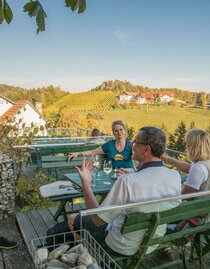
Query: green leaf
<point>1,4</point>
<point>82,6</point>
<point>74,4</point>
<point>31,8</point>
<point>40,20</point>
<point>68,3</point>
<point>7,12</point>
<point>1,15</point>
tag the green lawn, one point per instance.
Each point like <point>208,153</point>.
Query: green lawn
<point>154,115</point>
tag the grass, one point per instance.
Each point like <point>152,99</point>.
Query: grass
<point>157,116</point>
<point>87,101</point>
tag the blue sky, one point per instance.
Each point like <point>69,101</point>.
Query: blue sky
<point>155,43</point>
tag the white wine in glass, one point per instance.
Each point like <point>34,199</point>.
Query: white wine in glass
<point>107,169</point>
<point>96,165</point>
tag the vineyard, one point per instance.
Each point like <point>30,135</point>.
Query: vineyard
<point>87,101</point>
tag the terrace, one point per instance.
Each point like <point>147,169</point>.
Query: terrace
<point>35,223</point>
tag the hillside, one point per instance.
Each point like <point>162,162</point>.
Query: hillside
<point>167,116</point>
<point>46,95</point>
<point>87,101</point>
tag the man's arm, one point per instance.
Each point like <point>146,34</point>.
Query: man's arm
<point>85,174</point>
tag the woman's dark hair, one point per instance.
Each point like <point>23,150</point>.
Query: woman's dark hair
<point>95,132</point>
<point>154,137</point>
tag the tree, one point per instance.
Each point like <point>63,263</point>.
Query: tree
<point>204,100</point>
<point>34,9</point>
<point>176,140</point>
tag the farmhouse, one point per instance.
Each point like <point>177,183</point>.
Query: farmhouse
<point>127,97</point>
<point>165,96</point>
<point>22,113</point>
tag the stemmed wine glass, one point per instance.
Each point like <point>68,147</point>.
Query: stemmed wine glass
<point>107,169</point>
<point>96,165</point>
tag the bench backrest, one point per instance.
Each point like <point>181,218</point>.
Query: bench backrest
<point>150,221</point>
<point>51,161</point>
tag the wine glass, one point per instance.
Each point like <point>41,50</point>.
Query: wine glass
<point>107,169</point>
<point>96,165</point>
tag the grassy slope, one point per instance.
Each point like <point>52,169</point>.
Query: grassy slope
<point>170,116</point>
<point>84,101</point>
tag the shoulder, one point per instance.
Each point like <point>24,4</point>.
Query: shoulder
<point>198,167</point>
<point>108,143</point>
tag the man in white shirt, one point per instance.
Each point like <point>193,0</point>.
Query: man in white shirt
<point>151,181</point>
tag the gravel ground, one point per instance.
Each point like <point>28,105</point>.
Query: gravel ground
<point>17,258</point>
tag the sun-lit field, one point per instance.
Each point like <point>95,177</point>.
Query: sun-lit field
<point>155,115</point>
<point>87,101</point>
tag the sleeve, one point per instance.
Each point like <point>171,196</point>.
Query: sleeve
<point>196,176</point>
<point>118,195</point>
<point>105,147</point>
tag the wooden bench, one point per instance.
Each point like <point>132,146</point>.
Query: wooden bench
<point>150,221</point>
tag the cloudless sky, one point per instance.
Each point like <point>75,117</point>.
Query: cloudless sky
<point>155,43</point>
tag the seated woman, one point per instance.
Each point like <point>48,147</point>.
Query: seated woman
<point>198,151</point>
<point>118,150</point>
<point>198,179</point>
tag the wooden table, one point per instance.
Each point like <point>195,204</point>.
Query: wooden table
<point>99,189</point>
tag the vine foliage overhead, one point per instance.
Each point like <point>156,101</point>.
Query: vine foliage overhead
<point>35,9</point>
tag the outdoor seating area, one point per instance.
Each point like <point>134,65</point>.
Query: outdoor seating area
<point>52,158</point>
<point>34,224</point>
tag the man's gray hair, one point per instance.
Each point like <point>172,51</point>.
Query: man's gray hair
<point>154,137</point>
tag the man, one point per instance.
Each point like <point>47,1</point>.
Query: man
<point>7,244</point>
<point>151,181</point>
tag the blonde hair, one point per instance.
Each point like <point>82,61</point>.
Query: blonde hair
<point>198,145</point>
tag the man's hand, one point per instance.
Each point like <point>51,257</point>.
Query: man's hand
<point>122,171</point>
<point>85,172</point>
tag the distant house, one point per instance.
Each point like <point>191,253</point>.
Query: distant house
<point>141,99</point>
<point>146,98</point>
<point>127,97</point>
<point>27,113</point>
<point>165,96</point>
<point>5,104</point>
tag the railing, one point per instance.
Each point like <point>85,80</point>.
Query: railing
<point>106,209</point>
<point>69,131</point>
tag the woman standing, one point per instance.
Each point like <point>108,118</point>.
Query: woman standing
<point>118,150</point>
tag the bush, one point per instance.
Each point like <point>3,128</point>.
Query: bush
<point>28,195</point>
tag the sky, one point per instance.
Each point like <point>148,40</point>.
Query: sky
<point>154,43</point>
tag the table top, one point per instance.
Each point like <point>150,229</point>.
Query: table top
<point>99,186</point>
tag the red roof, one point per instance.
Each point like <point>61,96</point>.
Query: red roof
<point>160,94</point>
<point>13,110</point>
<point>149,95</point>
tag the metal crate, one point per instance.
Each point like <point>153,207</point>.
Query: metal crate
<point>94,249</point>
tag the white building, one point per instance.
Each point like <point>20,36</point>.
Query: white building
<point>27,113</point>
<point>5,104</point>
<point>166,96</point>
<point>127,97</point>
<point>141,99</point>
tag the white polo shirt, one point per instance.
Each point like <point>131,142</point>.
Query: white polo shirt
<point>147,184</point>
